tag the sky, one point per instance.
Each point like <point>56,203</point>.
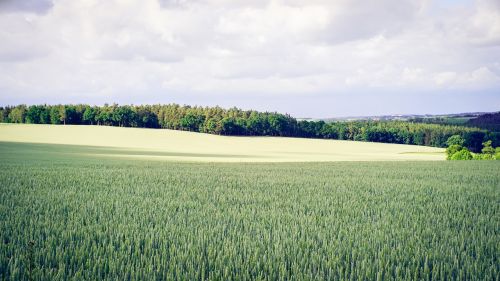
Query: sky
<point>314,58</point>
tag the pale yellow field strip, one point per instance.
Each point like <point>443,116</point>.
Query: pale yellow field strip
<point>212,148</point>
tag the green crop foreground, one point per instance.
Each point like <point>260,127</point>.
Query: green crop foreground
<point>71,216</point>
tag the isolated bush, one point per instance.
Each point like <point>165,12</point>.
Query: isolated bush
<point>488,152</point>
<point>452,149</point>
<point>487,149</point>
<point>483,156</point>
<point>488,156</point>
<point>463,154</point>
<point>456,151</point>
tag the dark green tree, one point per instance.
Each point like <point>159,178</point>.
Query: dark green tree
<point>192,122</point>
<point>487,149</point>
<point>123,116</point>
<point>54,115</point>
<point>18,114</point>
<point>474,140</point>
<point>62,114</point>
<point>89,115</point>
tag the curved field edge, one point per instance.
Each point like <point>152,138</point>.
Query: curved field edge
<point>162,144</point>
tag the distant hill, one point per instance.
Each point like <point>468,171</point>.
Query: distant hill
<point>420,118</point>
<point>489,121</point>
<point>483,120</point>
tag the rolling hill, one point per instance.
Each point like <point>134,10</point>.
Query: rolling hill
<point>103,141</point>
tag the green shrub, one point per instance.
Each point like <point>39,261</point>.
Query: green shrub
<point>458,152</point>
<point>488,156</point>
<point>463,154</point>
<point>487,149</point>
<point>452,149</point>
<point>483,156</point>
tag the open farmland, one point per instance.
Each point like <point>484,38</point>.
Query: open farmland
<point>67,215</point>
<point>103,141</point>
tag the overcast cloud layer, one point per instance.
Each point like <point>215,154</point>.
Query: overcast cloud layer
<point>315,58</point>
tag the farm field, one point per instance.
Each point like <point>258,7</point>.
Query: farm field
<point>249,140</point>
<point>66,215</point>
<point>161,144</point>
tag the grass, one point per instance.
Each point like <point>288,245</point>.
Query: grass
<point>151,144</point>
<point>68,215</point>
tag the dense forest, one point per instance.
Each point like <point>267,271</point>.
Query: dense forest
<point>234,121</point>
<point>490,121</point>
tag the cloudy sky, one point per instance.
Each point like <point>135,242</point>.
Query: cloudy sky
<point>314,58</point>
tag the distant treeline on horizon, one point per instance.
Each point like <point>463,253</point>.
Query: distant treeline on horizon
<point>237,122</point>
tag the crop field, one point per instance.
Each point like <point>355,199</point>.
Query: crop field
<point>66,215</point>
<point>161,144</point>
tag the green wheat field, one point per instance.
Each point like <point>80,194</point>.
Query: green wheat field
<point>74,216</point>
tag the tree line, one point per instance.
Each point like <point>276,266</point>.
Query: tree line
<point>234,121</point>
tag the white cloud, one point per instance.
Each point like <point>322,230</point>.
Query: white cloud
<point>445,78</point>
<point>94,51</point>
<point>480,78</point>
<point>412,74</point>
